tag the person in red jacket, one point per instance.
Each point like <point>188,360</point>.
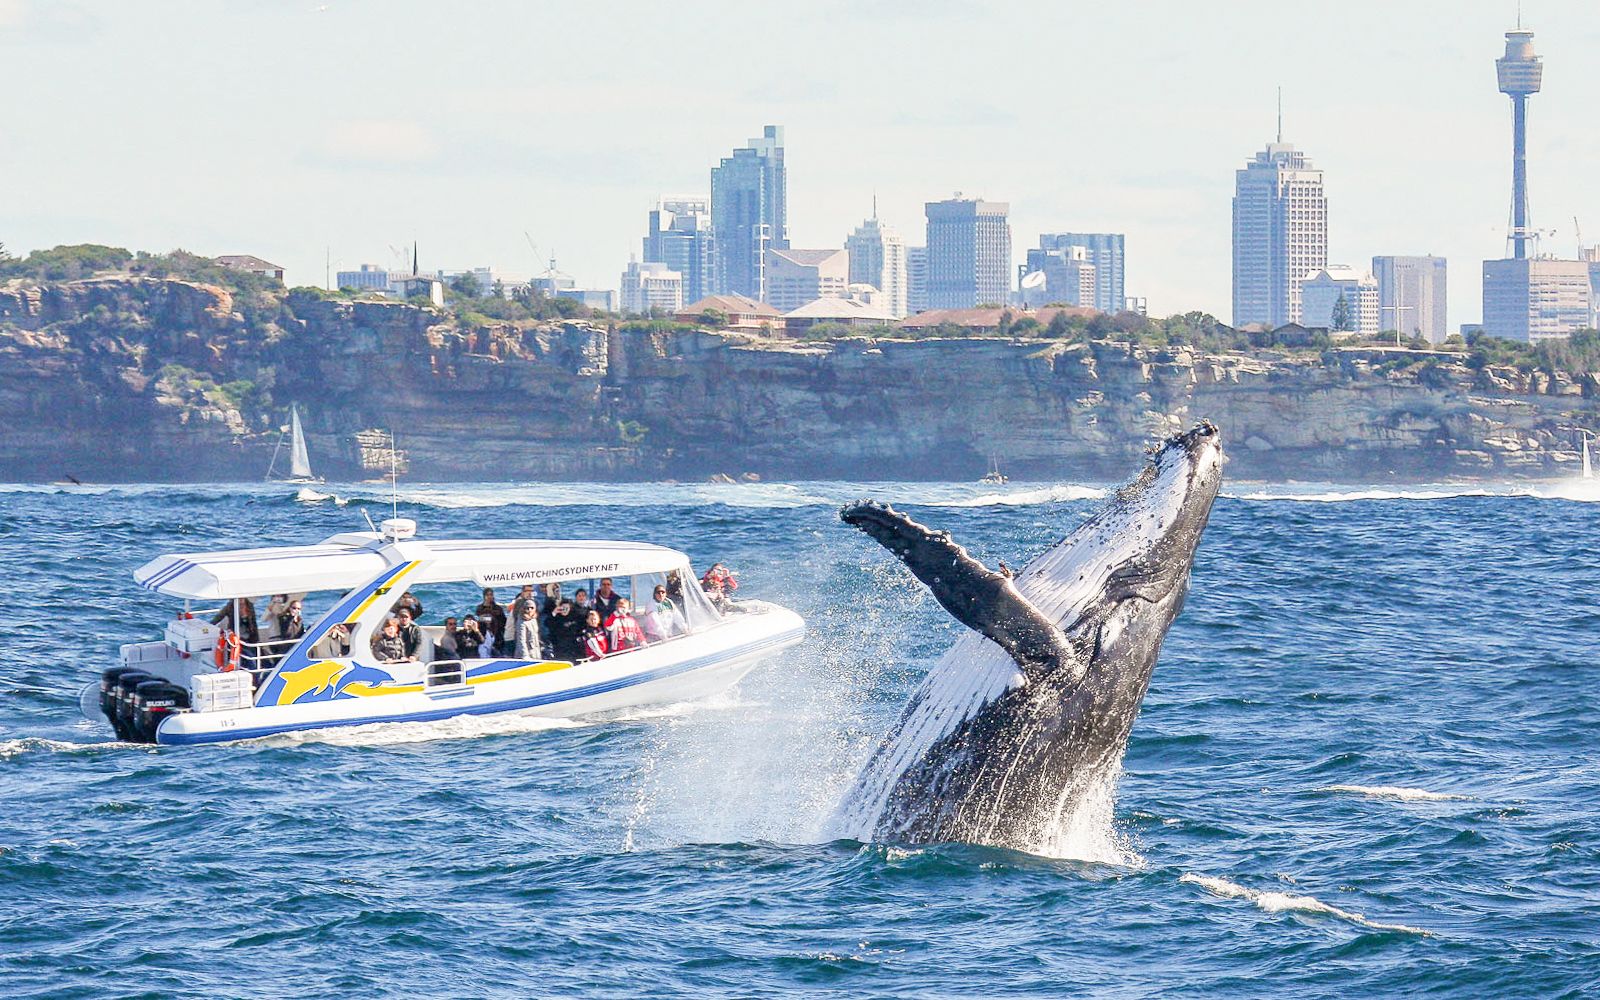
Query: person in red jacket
<point>622,629</point>
<point>596,644</point>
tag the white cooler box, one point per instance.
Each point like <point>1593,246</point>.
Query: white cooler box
<point>221,692</point>
<point>191,635</point>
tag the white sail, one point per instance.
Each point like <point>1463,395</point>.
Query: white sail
<point>1588,470</point>
<point>299,461</point>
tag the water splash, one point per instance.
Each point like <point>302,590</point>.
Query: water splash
<point>1395,792</point>
<point>1285,902</point>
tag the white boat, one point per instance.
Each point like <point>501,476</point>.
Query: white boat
<point>994,477</point>
<point>299,460</point>
<point>1588,470</point>
<point>175,691</point>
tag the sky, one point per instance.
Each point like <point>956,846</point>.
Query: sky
<point>306,131</point>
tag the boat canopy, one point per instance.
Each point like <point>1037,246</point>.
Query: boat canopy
<point>346,561</point>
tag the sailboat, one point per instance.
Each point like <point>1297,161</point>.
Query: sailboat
<point>994,477</point>
<point>1588,470</point>
<point>299,461</point>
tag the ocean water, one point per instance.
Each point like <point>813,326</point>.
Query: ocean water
<point>1367,765</point>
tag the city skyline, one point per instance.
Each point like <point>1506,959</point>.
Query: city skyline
<point>322,160</point>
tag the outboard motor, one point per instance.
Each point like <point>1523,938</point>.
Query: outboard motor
<point>122,698</point>
<point>108,690</point>
<point>153,701</point>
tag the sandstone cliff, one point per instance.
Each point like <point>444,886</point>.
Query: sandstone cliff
<point>164,379</point>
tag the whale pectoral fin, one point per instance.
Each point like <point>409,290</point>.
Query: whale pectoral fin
<point>979,598</point>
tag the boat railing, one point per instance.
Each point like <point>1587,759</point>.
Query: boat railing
<point>445,673</point>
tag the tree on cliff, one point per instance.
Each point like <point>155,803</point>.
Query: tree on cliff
<point>5,254</point>
<point>466,286</point>
<point>1341,314</point>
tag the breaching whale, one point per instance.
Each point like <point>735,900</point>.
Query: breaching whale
<point>1025,714</point>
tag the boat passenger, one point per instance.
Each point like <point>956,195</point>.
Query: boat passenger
<point>387,645</point>
<point>524,596</point>
<point>660,618</point>
<point>722,578</point>
<point>247,619</point>
<point>409,601</point>
<point>622,629</point>
<point>491,615</point>
<point>446,646</point>
<point>276,609</point>
<point>410,632</point>
<point>595,642</point>
<point>528,645</point>
<point>581,605</point>
<point>291,625</point>
<point>333,644</point>
<point>605,599</point>
<point>565,628</point>
<point>469,637</point>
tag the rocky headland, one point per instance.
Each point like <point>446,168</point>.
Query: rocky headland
<point>139,377</point>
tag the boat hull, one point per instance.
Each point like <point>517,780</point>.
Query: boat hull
<point>684,669</point>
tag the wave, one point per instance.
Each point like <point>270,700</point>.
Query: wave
<point>1025,498</point>
<point>1576,489</point>
<point>384,734</point>
<point>38,744</point>
<point>1395,792</point>
<point>308,495</point>
<point>1282,902</point>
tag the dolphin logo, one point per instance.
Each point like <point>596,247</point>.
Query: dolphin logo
<point>1011,728</point>
<point>312,679</point>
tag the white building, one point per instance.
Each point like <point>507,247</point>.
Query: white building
<point>1412,296</point>
<point>483,277</point>
<point>1534,299</point>
<point>372,278</point>
<point>651,285</point>
<point>1322,291</point>
<point>878,258</point>
<point>795,277</point>
<point>1280,235</point>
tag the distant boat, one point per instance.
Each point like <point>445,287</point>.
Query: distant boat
<point>994,477</point>
<point>1588,470</point>
<point>299,461</point>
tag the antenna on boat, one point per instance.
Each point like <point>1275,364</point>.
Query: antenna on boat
<point>364,514</point>
<point>394,480</point>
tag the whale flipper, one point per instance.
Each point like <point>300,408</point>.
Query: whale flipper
<point>977,596</point>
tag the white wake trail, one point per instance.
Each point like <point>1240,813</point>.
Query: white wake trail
<point>1286,902</point>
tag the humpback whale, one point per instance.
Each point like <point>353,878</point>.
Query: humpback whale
<point>1026,713</point>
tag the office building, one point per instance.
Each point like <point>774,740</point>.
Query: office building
<point>651,285</point>
<point>749,212</point>
<point>1066,276</point>
<point>1412,296</point>
<point>969,253</point>
<point>796,277</point>
<point>1280,234</point>
<point>916,280</point>
<point>370,278</point>
<point>1104,251</point>
<point>1591,257</point>
<point>681,237</point>
<point>1535,299</point>
<point>878,258</point>
<point>1323,292</point>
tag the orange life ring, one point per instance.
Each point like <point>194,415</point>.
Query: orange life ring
<point>227,652</point>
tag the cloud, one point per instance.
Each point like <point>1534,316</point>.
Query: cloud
<point>33,21</point>
<point>376,143</point>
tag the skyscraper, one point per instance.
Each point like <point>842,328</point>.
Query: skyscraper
<point>1069,278</point>
<point>1104,252</point>
<point>1411,296</point>
<point>750,213</point>
<point>651,285</point>
<point>916,280</point>
<point>680,237</point>
<point>1280,234</point>
<point>878,258</point>
<point>969,253</point>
